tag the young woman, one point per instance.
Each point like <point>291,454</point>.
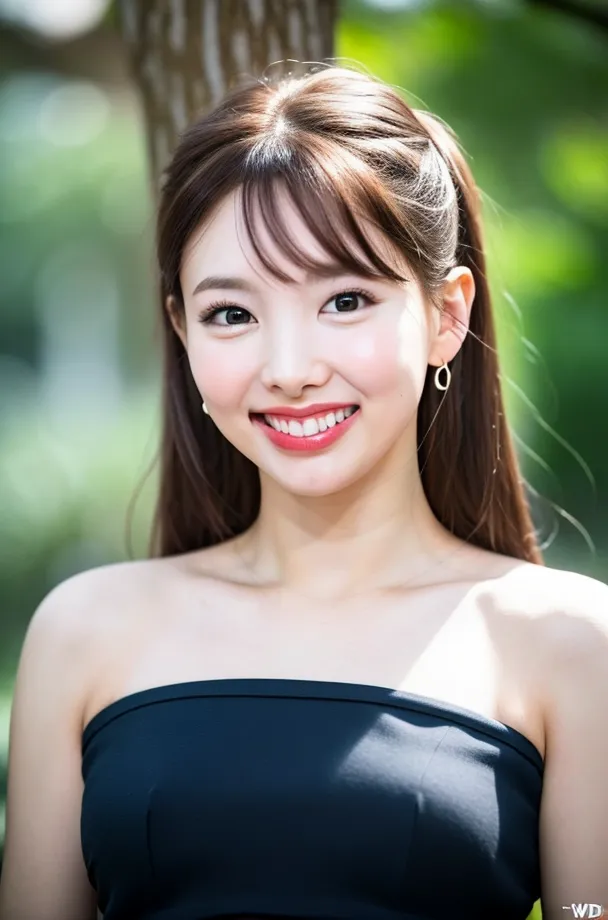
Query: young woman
<point>344,685</point>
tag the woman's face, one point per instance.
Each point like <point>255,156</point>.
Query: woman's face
<point>291,345</point>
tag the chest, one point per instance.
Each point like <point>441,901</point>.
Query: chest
<point>445,647</point>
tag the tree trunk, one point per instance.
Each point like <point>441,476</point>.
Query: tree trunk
<point>187,53</point>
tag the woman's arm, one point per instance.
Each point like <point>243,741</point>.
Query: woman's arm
<point>574,808</point>
<point>44,876</point>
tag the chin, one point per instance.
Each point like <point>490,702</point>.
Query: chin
<point>312,491</point>
<point>310,484</point>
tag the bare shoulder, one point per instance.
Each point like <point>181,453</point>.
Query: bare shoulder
<point>569,610</point>
<point>73,608</point>
<point>556,613</point>
<point>572,624</point>
<point>91,614</point>
<point>44,780</point>
<point>568,615</point>
<point>542,624</point>
<point>560,635</point>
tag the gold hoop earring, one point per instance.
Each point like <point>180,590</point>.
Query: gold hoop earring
<point>448,372</point>
<point>205,409</point>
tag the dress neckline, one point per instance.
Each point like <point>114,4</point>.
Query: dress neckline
<point>312,689</point>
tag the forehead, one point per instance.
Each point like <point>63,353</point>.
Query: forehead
<point>221,244</point>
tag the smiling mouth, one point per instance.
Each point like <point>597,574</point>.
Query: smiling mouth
<point>352,410</point>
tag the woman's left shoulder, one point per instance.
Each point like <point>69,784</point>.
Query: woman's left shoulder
<point>570,610</point>
<point>556,621</point>
<point>566,639</point>
<point>569,631</point>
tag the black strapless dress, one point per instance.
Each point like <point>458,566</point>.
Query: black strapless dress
<point>310,799</point>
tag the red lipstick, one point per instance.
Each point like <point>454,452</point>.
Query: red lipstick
<point>307,442</point>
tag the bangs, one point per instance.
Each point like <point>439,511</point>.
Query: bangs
<point>334,194</point>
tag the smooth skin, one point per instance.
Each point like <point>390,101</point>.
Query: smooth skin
<point>355,516</point>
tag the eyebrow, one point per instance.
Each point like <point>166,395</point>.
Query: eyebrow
<point>233,283</point>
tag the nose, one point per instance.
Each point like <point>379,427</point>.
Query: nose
<point>293,362</point>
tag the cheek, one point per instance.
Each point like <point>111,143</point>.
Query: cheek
<point>223,378</point>
<point>389,357</point>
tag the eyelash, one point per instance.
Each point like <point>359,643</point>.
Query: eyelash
<point>219,306</point>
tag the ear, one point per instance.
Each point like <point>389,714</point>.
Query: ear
<point>452,326</point>
<point>178,319</point>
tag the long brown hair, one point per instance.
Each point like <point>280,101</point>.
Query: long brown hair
<point>346,146</point>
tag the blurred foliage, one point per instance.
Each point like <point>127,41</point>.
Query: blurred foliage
<point>525,89</point>
<point>75,248</point>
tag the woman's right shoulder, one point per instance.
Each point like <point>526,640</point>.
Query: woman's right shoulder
<point>91,612</point>
<point>84,603</point>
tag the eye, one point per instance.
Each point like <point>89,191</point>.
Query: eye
<point>209,313</point>
<point>346,301</point>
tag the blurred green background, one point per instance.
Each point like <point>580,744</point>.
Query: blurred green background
<point>525,88</point>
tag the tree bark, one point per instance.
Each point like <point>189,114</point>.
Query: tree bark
<point>186,54</point>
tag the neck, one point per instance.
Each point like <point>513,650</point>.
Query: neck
<point>380,532</point>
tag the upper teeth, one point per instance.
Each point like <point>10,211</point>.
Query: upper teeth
<point>309,426</point>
